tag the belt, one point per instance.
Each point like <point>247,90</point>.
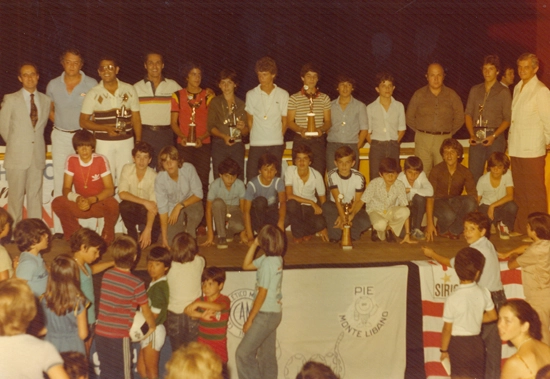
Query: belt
<point>155,128</point>
<point>66,131</point>
<point>434,133</point>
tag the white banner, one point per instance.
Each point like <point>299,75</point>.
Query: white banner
<point>352,319</point>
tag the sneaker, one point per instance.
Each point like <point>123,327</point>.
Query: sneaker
<point>418,235</point>
<point>503,231</point>
<point>222,243</point>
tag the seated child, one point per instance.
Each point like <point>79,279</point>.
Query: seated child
<point>32,236</point>
<point>6,265</point>
<point>534,261</point>
<point>158,264</point>
<point>93,189</point>
<point>212,309</point>
<point>265,198</point>
<point>75,364</point>
<point>465,310</point>
<point>449,179</point>
<point>225,197</point>
<point>23,356</point>
<point>418,189</point>
<point>305,189</point>
<point>495,193</point>
<point>386,202</point>
<point>121,294</point>
<point>477,228</point>
<point>350,183</point>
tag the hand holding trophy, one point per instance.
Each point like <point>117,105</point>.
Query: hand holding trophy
<point>311,129</point>
<point>234,132</point>
<point>345,242</point>
<point>120,120</point>
<point>192,134</point>
<point>480,129</point>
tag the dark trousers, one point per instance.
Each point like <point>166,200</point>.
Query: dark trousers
<point>450,213</point>
<point>478,155</point>
<point>134,215</point>
<point>262,214</point>
<point>529,189</point>
<point>158,139</point>
<point>181,329</point>
<point>318,146</point>
<point>418,208</point>
<point>303,220</point>
<point>220,151</point>
<point>360,222</point>
<point>115,357</point>
<point>505,213</point>
<point>254,154</point>
<point>378,151</point>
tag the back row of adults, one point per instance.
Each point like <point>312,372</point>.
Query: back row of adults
<point>157,109</point>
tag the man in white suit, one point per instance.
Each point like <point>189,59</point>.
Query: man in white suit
<point>528,140</point>
<point>23,117</point>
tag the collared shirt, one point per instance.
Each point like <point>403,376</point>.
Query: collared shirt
<point>464,309</point>
<point>27,97</point>
<point>169,192</point>
<point>155,104</point>
<point>232,196</point>
<point>441,113</point>
<point>490,194</point>
<point>267,110</point>
<point>377,198</point>
<point>300,103</point>
<point>535,270</point>
<point>144,188</point>
<point>68,105</point>
<point>421,185</point>
<point>446,185</point>
<point>497,104</point>
<point>385,125</point>
<point>347,186</point>
<point>315,183</point>
<point>346,124</point>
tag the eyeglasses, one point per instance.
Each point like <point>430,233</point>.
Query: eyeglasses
<point>106,68</point>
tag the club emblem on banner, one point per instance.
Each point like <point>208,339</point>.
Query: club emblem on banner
<point>241,303</point>
<point>364,317</point>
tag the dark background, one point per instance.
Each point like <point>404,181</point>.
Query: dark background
<point>359,38</point>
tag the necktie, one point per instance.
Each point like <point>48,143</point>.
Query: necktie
<point>34,112</point>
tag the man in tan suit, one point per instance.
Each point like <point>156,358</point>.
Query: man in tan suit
<point>23,117</point>
<point>528,139</point>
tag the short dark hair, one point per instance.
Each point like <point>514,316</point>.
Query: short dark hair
<point>492,59</point>
<point>188,66</point>
<point>229,166</point>
<point>382,77</point>
<point>266,64</point>
<point>72,51</point>
<point>160,254</point>
<point>498,158</point>
<point>83,137</point>
<point>344,151</point>
<point>107,58</point>
<point>316,370</point>
<point>152,52</point>
<point>539,223</point>
<point>505,68</point>
<point>27,63</point>
<point>267,159</point>
<point>29,232</point>
<point>5,219</point>
<point>88,238</point>
<point>468,262</point>
<point>143,147</point>
<point>75,364</point>
<point>481,220</point>
<point>343,78</point>
<point>525,313</point>
<point>388,166</point>
<point>310,67</point>
<point>413,163</point>
<point>169,152</point>
<point>214,273</point>
<point>124,250</point>
<point>228,73</point>
<point>301,148</point>
<point>272,240</point>
<point>451,143</point>
<point>184,248</point>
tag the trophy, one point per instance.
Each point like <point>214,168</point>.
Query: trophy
<point>311,129</point>
<point>192,134</point>
<point>234,132</point>
<point>120,120</point>
<point>345,242</point>
<point>480,129</point>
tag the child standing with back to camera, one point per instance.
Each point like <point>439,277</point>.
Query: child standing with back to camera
<point>256,356</point>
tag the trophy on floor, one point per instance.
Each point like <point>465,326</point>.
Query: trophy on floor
<point>345,242</point>
<point>311,129</point>
<point>120,120</point>
<point>192,134</point>
<point>480,129</point>
<point>234,132</point>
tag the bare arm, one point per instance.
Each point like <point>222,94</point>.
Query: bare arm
<point>445,339</point>
<point>490,316</point>
<point>282,211</point>
<point>327,122</point>
<point>433,255</point>
<point>258,302</point>
<point>88,124</point>
<point>430,228</point>
<point>284,124</point>
<point>57,372</point>
<point>52,113</point>
<point>102,266</point>
<point>175,127</point>
<point>4,275</point>
<point>209,225</point>
<point>363,136</point>
<point>136,124</point>
<point>82,324</point>
<point>248,263</point>
<point>248,221</point>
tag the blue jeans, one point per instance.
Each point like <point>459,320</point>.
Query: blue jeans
<point>378,151</point>
<point>418,208</point>
<point>256,355</point>
<point>478,155</point>
<point>359,224</point>
<point>181,329</point>
<point>303,220</point>
<point>450,213</point>
<point>506,213</point>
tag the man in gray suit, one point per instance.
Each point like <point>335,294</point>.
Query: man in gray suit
<point>23,117</point>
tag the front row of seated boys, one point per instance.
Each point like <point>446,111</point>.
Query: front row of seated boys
<point>170,201</point>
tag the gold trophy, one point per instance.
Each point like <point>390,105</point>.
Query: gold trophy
<point>480,129</point>
<point>345,242</point>
<point>311,129</point>
<point>120,120</point>
<point>192,134</point>
<point>234,132</point>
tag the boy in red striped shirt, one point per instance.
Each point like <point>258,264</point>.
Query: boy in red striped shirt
<point>212,309</point>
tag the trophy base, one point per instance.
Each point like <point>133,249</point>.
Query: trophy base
<point>312,134</point>
<point>310,114</point>
<point>190,144</point>
<point>347,247</point>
